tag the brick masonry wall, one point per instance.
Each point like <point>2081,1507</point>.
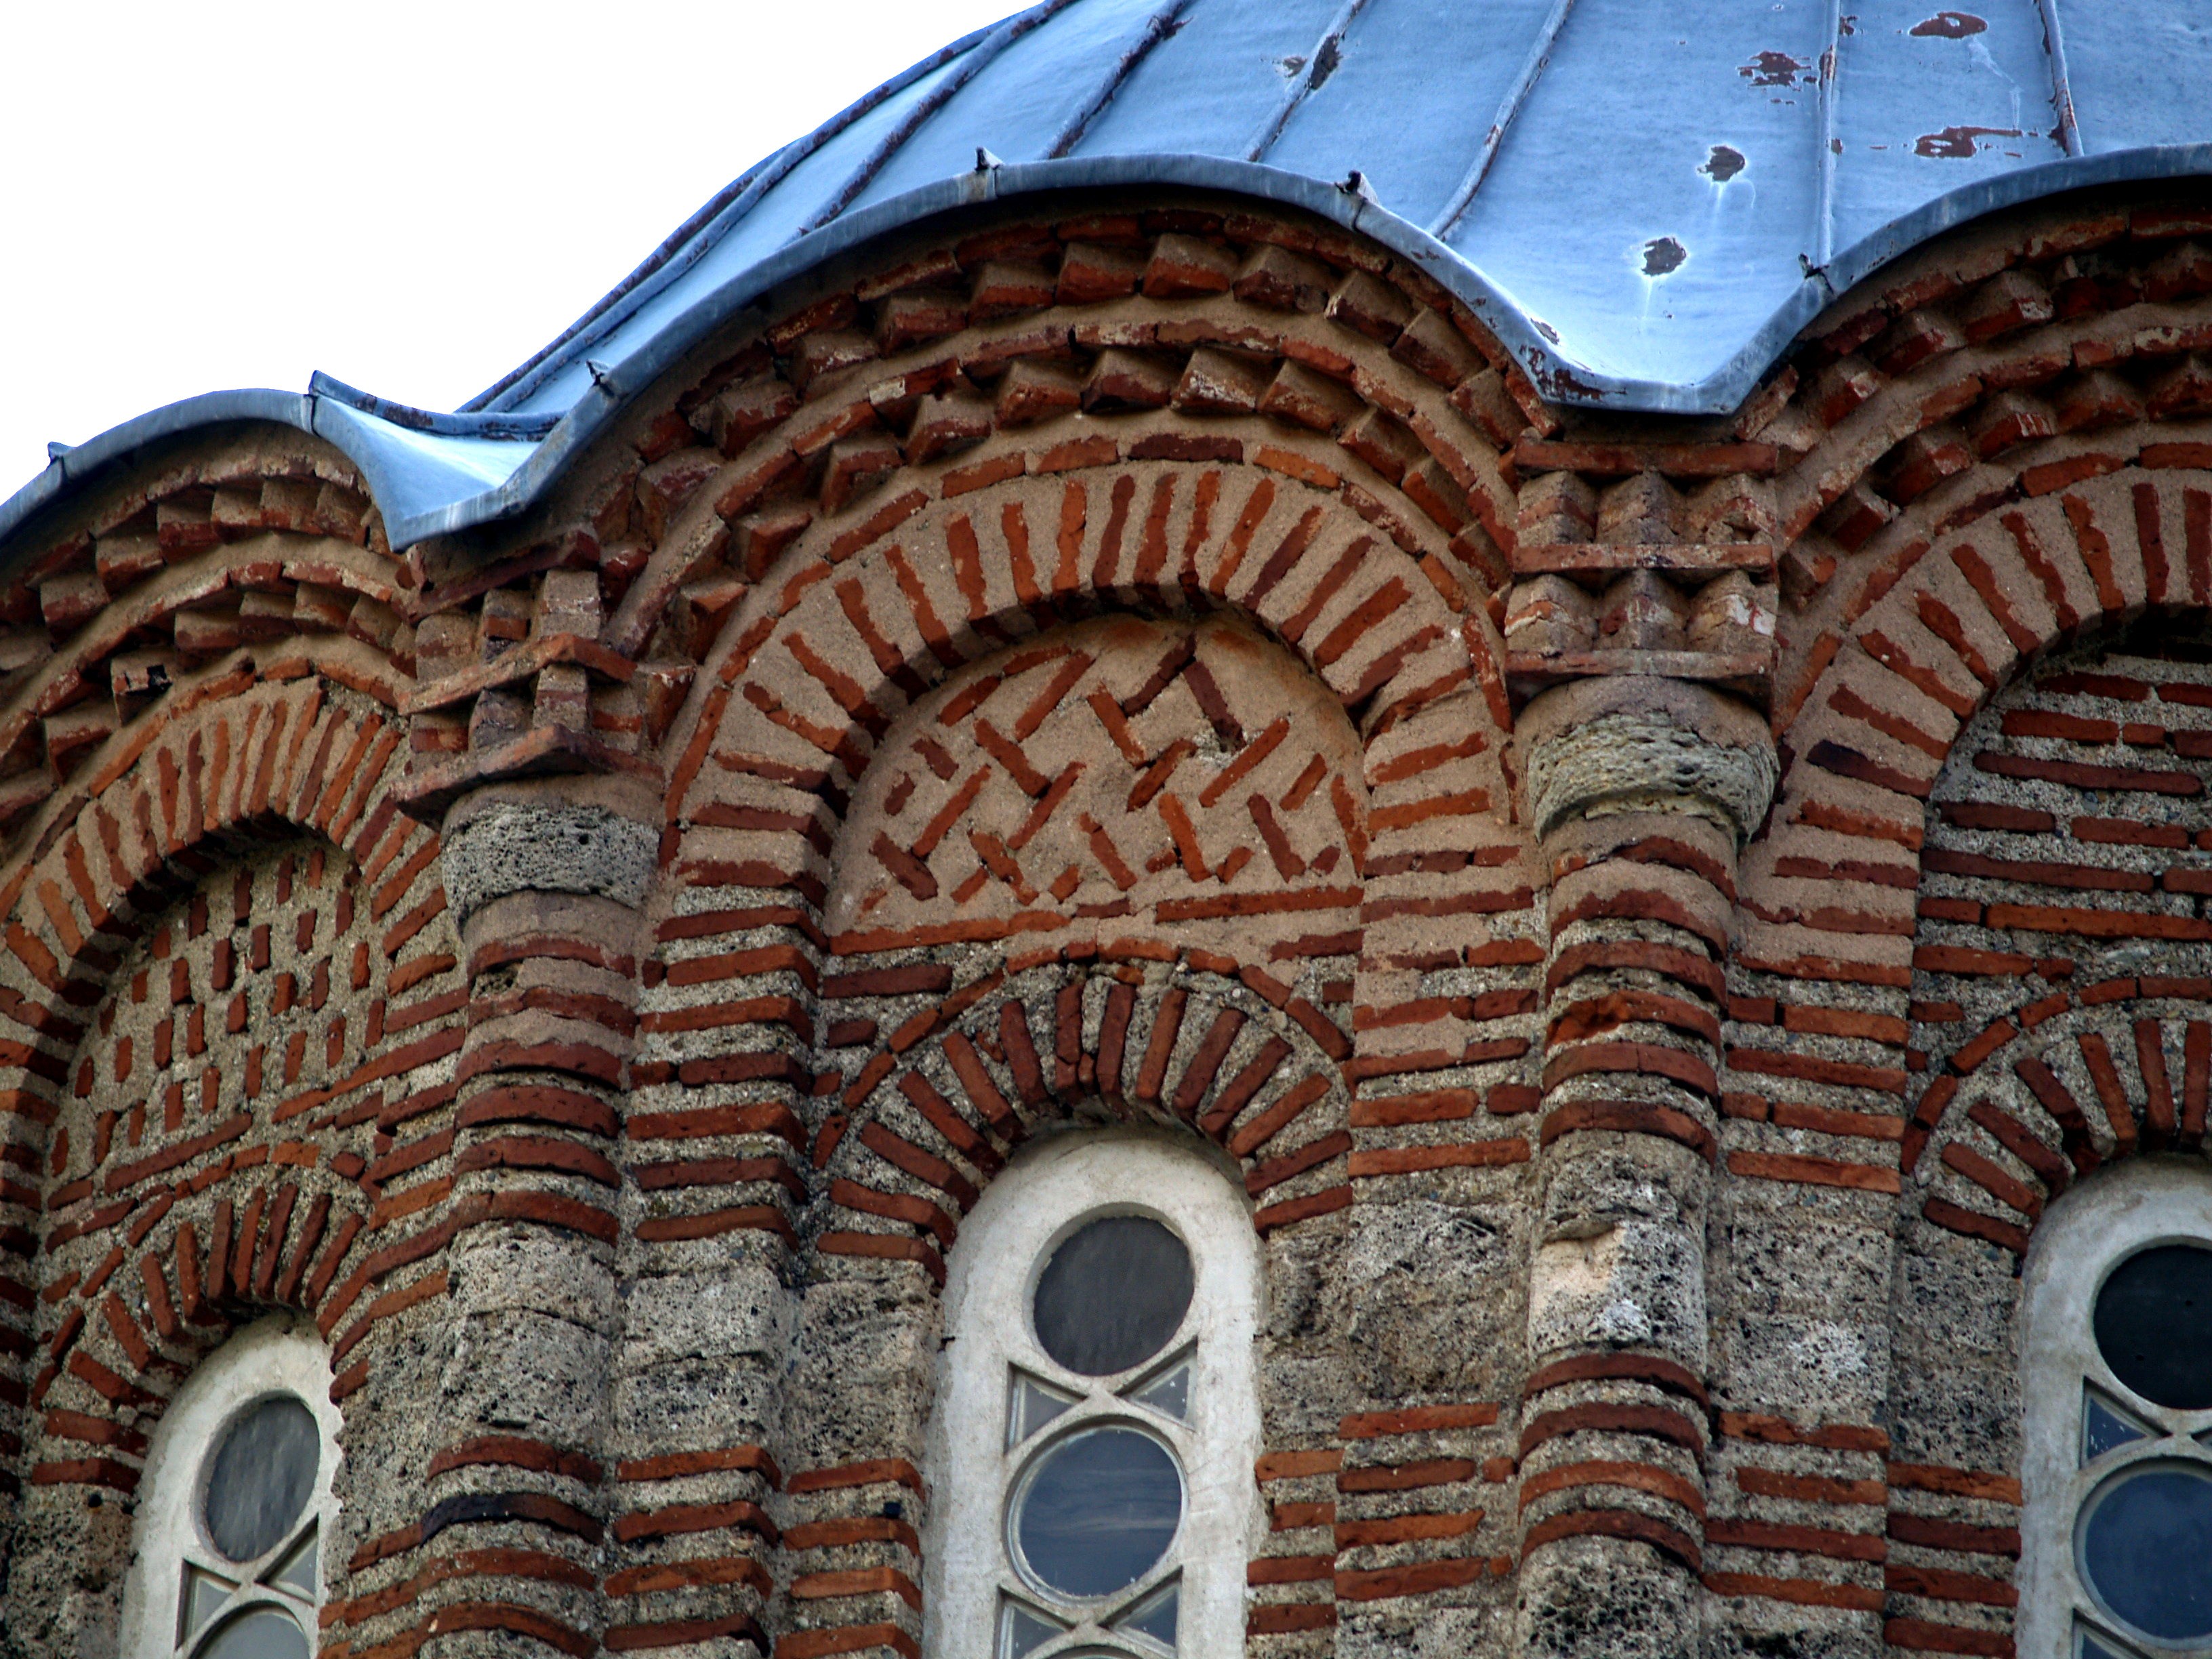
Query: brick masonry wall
<point>1032,861</point>
<point>247,943</point>
<point>2004,454</point>
<point>1065,666</point>
<point>2060,991</point>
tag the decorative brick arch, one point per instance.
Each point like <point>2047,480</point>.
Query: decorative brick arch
<point>817,668</point>
<point>1231,1054</point>
<point>1989,450</point>
<point>266,779</point>
<point>2065,990</point>
<point>942,447</point>
<point>821,615</point>
<point>835,650</point>
<point>2104,1071</point>
<point>228,760</point>
<point>1875,726</point>
<point>1184,1039</point>
<point>259,544</point>
<point>967,356</point>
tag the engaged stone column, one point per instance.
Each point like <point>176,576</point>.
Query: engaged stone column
<point>547,880</point>
<point>1641,790</point>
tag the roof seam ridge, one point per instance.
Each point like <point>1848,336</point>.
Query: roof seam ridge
<point>1532,69</point>
<point>2062,86</point>
<point>639,274</point>
<point>985,53</point>
<point>1303,86</point>
<point>1162,23</point>
<point>1829,69</point>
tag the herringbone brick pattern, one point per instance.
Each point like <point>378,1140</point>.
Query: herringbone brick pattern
<point>1163,776</point>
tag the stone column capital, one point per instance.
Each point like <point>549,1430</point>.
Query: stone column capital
<point>580,835</point>
<point>1602,747</point>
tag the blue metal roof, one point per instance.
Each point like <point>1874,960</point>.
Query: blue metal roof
<point>1645,201</point>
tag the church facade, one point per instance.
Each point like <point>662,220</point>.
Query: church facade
<point>1095,910</point>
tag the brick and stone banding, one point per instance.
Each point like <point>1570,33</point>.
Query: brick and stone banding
<point>1150,660</point>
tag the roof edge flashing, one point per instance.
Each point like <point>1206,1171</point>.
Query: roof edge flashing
<point>1555,371</point>
<point>438,501</point>
<point>464,423</point>
<point>401,467</point>
<point>1932,218</point>
<point>613,385</point>
<point>76,466</point>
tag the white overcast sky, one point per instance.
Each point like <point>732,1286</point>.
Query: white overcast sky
<point>411,195</point>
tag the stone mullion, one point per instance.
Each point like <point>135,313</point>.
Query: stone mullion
<point>1641,791</point>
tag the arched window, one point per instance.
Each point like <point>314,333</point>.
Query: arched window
<point>2117,1541</point>
<point>237,1503</point>
<point>1097,1420</point>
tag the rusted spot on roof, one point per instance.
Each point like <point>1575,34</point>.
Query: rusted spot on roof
<point>1774,69</point>
<point>1949,26</point>
<point>1662,254</point>
<point>1957,143</point>
<point>1723,164</point>
<point>1556,382</point>
<point>1325,63</point>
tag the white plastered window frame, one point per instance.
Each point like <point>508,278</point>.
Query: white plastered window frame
<point>1055,1186</point>
<point>284,1354</point>
<point>2084,1236</point>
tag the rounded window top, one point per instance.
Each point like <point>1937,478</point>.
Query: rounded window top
<point>2153,1325</point>
<point>261,1476</point>
<point>1113,1295</point>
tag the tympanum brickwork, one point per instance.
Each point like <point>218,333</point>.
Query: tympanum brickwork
<point>1648,911</point>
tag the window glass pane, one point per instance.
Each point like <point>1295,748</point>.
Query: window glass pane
<point>1169,1394</point>
<point>264,1633</point>
<point>1032,1407</point>
<point>204,1594</point>
<point>261,1476</point>
<point>2153,1325</point>
<point>1113,1295</point>
<point>1157,1617</point>
<point>1098,1512</point>
<point>2092,1648</point>
<point>2103,1428</point>
<point>1022,1631</point>
<point>297,1570</point>
<point>2144,1544</point>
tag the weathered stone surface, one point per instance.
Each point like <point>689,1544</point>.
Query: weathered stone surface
<point>509,847</point>
<point>1606,747</point>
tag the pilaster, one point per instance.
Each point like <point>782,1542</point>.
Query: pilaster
<point>1641,789</point>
